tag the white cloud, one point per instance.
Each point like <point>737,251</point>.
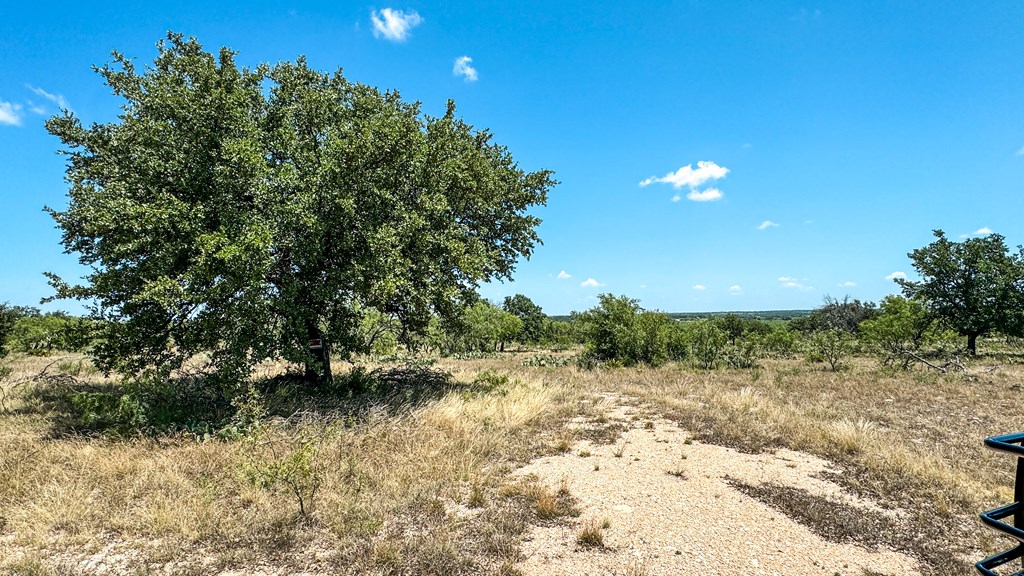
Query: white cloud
<point>687,176</point>
<point>704,195</point>
<point>35,108</point>
<point>746,145</point>
<point>895,275</point>
<point>1021,151</point>
<point>590,283</point>
<point>983,231</point>
<point>57,99</point>
<point>735,289</point>
<point>790,282</point>
<point>10,113</point>
<point>563,275</point>
<point>677,198</point>
<point>847,284</point>
<point>462,68</point>
<point>643,285</point>
<point>394,25</point>
<point>699,287</point>
<point>768,224</point>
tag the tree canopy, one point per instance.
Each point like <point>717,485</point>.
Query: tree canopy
<point>973,287</point>
<point>246,213</point>
<point>530,314</point>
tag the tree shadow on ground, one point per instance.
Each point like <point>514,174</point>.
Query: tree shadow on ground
<point>358,393</point>
<point>197,405</point>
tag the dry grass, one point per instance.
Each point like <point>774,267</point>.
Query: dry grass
<point>380,492</point>
<point>591,535</point>
<point>843,523</point>
<point>423,486</point>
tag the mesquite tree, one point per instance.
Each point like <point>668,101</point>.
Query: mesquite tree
<point>246,213</point>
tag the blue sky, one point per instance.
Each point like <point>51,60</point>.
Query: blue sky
<point>791,150</point>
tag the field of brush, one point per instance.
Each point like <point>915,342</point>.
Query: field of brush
<point>413,474</point>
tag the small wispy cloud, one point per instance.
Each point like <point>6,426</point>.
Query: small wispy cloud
<point>462,68</point>
<point>735,289</point>
<point>983,231</point>
<point>677,198</point>
<point>643,286</point>
<point>699,287</point>
<point>897,274</point>
<point>847,284</point>
<point>1021,151</point>
<point>790,282</point>
<point>394,25</point>
<point>10,113</point>
<point>706,195</point>
<point>57,99</point>
<point>590,283</point>
<point>768,224</point>
<point>805,15</point>
<point>746,145</point>
<point>688,176</point>
<point>563,275</point>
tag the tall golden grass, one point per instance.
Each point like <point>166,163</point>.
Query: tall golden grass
<point>422,488</point>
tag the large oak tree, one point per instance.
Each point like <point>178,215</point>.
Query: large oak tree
<point>973,287</point>
<point>245,213</point>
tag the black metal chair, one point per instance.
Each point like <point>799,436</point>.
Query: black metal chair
<point>1011,444</point>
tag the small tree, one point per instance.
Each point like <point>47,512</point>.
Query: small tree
<point>510,328</point>
<point>838,314</point>
<point>530,314</point>
<point>832,346</point>
<point>900,331</point>
<point>973,287</point>
<point>732,325</point>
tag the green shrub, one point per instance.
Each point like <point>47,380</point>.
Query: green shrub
<point>902,331</point>
<point>779,342</point>
<point>619,331</point>
<point>707,343</point>
<point>276,459</point>
<point>831,346</point>
<point>742,355</point>
<point>154,403</point>
<point>677,342</point>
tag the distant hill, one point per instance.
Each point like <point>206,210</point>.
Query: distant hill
<point>756,314</point>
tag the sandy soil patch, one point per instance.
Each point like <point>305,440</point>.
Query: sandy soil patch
<point>670,509</point>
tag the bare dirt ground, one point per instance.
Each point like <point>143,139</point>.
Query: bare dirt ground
<point>669,506</point>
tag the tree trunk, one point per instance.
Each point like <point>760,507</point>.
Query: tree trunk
<point>972,344</point>
<point>318,371</point>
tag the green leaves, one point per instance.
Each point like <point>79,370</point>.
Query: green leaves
<point>972,287</point>
<point>245,212</point>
